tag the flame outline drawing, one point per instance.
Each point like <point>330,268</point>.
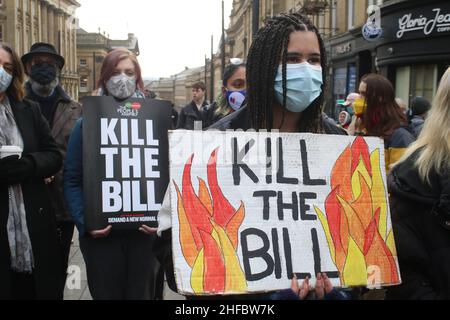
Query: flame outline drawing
<point>356,219</point>
<point>209,228</point>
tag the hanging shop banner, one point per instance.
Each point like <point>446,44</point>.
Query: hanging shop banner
<point>125,161</point>
<point>251,209</point>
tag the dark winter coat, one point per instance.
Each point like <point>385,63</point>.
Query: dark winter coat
<point>416,125</point>
<point>189,115</point>
<point>396,145</point>
<point>210,115</point>
<point>67,112</point>
<point>421,222</point>
<point>42,148</point>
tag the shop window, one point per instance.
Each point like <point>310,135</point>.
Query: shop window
<point>351,78</point>
<point>339,88</point>
<point>424,81</point>
<point>402,83</point>
<point>414,81</point>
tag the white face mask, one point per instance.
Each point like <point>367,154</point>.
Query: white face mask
<point>121,86</point>
<point>5,80</point>
<point>304,85</point>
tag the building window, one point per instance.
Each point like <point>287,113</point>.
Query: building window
<point>83,62</point>
<point>84,84</point>
<point>333,18</point>
<point>350,14</point>
<point>322,23</point>
<point>33,8</point>
<point>1,33</point>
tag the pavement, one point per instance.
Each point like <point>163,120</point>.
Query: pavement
<point>76,284</point>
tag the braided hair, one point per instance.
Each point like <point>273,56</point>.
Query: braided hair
<point>268,49</point>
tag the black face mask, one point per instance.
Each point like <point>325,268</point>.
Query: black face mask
<point>43,73</point>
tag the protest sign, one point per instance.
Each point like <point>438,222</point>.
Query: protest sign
<point>125,156</point>
<point>251,209</point>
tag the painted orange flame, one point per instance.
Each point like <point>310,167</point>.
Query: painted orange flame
<point>209,227</point>
<point>356,219</point>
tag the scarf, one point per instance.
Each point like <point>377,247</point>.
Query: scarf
<point>19,239</point>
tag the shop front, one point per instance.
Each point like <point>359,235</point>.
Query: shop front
<point>414,51</point>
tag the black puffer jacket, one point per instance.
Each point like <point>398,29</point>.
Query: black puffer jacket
<point>421,221</point>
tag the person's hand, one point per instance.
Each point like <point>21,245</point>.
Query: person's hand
<point>320,287</point>
<point>49,180</point>
<point>14,170</point>
<point>147,230</point>
<point>98,234</point>
<point>327,283</point>
<point>301,291</point>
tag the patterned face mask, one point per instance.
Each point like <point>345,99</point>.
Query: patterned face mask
<point>5,80</point>
<point>121,86</point>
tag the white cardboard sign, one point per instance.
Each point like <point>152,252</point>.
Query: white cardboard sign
<point>251,209</point>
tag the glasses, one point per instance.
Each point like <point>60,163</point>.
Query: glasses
<point>236,61</point>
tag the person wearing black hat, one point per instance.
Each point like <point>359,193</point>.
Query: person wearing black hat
<point>418,113</point>
<point>43,66</point>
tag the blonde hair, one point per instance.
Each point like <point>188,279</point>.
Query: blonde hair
<point>434,141</point>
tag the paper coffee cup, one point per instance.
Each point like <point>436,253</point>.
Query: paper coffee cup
<point>7,151</point>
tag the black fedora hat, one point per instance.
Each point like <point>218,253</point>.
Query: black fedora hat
<point>43,48</point>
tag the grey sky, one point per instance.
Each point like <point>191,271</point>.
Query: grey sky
<point>172,33</point>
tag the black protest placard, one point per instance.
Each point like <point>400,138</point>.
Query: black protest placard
<point>125,161</point>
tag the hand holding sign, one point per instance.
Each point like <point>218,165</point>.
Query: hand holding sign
<point>147,230</point>
<point>302,291</point>
<point>98,234</point>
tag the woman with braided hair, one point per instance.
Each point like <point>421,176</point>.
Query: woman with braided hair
<point>286,78</point>
<point>286,72</point>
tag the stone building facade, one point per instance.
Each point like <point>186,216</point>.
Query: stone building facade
<point>25,22</point>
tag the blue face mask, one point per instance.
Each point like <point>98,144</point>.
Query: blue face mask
<point>236,99</point>
<point>304,85</point>
<point>5,80</point>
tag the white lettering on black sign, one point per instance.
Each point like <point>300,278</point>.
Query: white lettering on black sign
<point>137,157</point>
